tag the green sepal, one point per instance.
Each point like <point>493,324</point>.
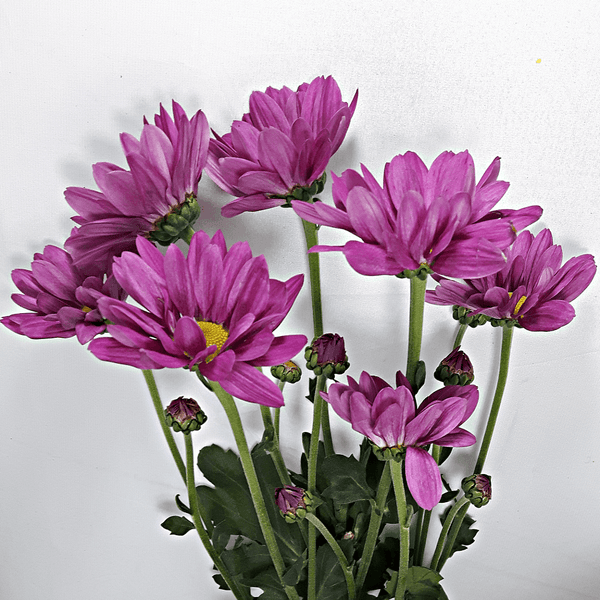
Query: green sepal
<point>169,228</point>
<point>419,376</point>
<point>177,525</point>
<point>420,273</point>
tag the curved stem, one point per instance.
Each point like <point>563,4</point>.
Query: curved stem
<point>160,412</point>
<point>398,482</point>
<point>260,507</point>
<point>501,384</point>
<point>314,520</point>
<point>435,561</point>
<point>318,403</point>
<point>204,538</point>
<point>374,525</point>
<point>415,327</point>
<point>275,453</point>
<point>460,335</point>
<point>422,537</point>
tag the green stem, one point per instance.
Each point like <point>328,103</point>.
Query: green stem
<point>415,327</point>
<point>318,403</point>
<point>204,537</point>
<point>435,561</point>
<point>421,542</point>
<point>374,525</point>
<point>186,234</point>
<point>250,472</point>
<point>454,529</point>
<point>314,520</point>
<point>459,336</point>
<point>404,524</point>
<point>314,270</point>
<point>275,453</point>
<point>507,333</point>
<point>160,412</point>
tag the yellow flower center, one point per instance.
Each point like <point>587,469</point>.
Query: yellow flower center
<point>290,364</point>
<point>519,304</point>
<point>86,309</point>
<point>215,335</point>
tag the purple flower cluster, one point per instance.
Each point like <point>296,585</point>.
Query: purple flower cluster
<point>391,420</point>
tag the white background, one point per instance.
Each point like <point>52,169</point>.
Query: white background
<point>85,478</point>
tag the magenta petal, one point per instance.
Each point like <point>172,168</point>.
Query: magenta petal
<point>113,351</point>
<point>252,203</point>
<point>246,383</point>
<point>423,477</point>
<point>549,316</point>
<point>473,257</point>
<point>457,438</point>
<point>282,348</point>
<point>368,259</point>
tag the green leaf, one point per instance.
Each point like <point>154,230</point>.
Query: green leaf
<point>421,584</point>
<point>444,454</point>
<point>331,583</point>
<point>181,506</point>
<point>177,525</point>
<point>420,375</point>
<point>466,535</point>
<point>347,479</point>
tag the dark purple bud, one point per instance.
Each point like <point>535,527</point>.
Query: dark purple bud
<point>477,489</point>
<point>293,502</point>
<point>184,414</point>
<point>455,369</point>
<point>327,355</point>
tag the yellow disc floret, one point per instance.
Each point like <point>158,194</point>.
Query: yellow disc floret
<point>519,304</point>
<point>215,335</point>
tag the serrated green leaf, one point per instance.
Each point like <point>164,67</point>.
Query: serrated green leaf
<point>331,583</point>
<point>347,479</point>
<point>177,525</point>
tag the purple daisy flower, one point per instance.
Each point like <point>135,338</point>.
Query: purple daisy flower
<point>215,310</point>
<point>438,220</point>
<point>156,198</point>
<point>63,299</point>
<point>533,290</point>
<point>281,146</point>
<point>390,419</point>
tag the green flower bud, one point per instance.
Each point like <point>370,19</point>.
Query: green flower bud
<point>289,372</point>
<point>327,355</point>
<point>184,414</point>
<point>477,489</point>
<point>466,317</point>
<point>455,369</point>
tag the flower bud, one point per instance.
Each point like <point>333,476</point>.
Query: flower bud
<point>293,502</point>
<point>184,414</point>
<point>455,369</point>
<point>288,372</point>
<point>477,489</point>
<point>327,355</point>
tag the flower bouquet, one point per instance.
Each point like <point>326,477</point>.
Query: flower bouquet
<point>341,526</point>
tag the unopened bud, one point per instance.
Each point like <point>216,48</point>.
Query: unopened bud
<point>455,369</point>
<point>293,502</point>
<point>477,489</point>
<point>327,355</point>
<point>184,414</point>
<point>289,372</point>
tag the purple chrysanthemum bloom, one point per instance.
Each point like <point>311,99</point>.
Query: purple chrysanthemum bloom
<point>533,290</point>
<point>215,309</point>
<point>390,419</point>
<point>437,220</point>
<point>156,198</point>
<point>281,146</point>
<point>63,299</point>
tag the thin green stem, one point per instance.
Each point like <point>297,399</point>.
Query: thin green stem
<point>421,539</point>
<point>318,403</point>
<point>282,471</point>
<point>204,537</point>
<point>452,535</point>
<point>415,327</point>
<point>160,412</point>
<point>460,335</point>
<point>260,507</point>
<point>186,234</point>
<point>507,333</point>
<point>404,524</point>
<point>435,561</point>
<point>314,520</point>
<point>374,525</point>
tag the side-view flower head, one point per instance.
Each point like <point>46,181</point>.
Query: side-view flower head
<point>281,145</point>
<point>533,290</point>
<point>390,419</point>
<point>438,219</point>
<point>156,198</point>
<point>62,299</point>
<point>214,310</point>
